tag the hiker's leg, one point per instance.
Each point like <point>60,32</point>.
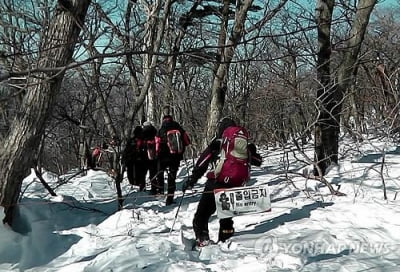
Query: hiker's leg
<point>172,173</point>
<point>141,171</point>
<point>152,166</point>
<point>160,176</point>
<point>205,209</point>
<point>130,173</point>
<point>226,229</point>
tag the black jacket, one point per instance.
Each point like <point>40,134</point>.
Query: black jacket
<point>149,132</point>
<point>131,152</point>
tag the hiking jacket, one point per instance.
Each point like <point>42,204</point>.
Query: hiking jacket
<point>149,132</point>
<point>131,152</point>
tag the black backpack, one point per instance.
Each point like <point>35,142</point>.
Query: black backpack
<point>150,146</point>
<point>174,141</point>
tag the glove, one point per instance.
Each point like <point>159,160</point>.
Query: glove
<point>188,184</point>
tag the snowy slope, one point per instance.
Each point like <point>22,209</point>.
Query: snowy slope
<point>307,229</point>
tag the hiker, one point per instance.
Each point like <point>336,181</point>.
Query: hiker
<point>98,156</point>
<point>171,141</point>
<point>150,161</point>
<point>133,159</point>
<point>94,157</point>
<point>227,174</point>
<point>112,150</point>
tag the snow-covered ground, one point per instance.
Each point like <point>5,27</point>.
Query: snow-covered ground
<point>308,229</point>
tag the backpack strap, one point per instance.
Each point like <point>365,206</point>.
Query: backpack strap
<point>158,142</point>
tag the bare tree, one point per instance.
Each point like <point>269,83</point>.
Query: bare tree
<point>331,93</point>
<point>225,55</point>
<point>226,50</point>
<point>55,51</point>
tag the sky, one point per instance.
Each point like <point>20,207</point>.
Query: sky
<point>307,229</point>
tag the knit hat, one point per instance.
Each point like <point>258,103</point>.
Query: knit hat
<point>167,118</point>
<point>137,131</point>
<point>223,124</point>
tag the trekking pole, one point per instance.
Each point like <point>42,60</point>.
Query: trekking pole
<point>177,211</point>
<point>180,202</point>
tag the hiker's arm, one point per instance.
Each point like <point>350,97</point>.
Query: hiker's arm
<point>185,136</point>
<point>255,158</point>
<point>126,153</point>
<point>199,168</point>
<point>185,139</point>
<point>208,155</point>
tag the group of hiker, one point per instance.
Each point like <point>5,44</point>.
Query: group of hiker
<point>154,152</point>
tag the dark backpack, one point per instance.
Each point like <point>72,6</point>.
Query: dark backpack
<point>233,167</point>
<point>174,141</point>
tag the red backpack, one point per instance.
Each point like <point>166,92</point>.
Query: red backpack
<point>96,152</point>
<point>233,166</point>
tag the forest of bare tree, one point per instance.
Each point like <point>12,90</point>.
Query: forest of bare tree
<point>75,73</point>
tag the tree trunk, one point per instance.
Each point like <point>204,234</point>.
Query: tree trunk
<point>219,85</point>
<point>348,68</point>
<point>168,92</point>
<point>57,47</point>
<point>155,28</point>
<point>322,129</point>
<point>330,97</point>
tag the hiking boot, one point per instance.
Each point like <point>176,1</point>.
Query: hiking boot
<point>202,239</point>
<point>169,200</point>
<point>202,243</point>
<point>152,192</point>
<point>225,234</point>
<point>155,191</point>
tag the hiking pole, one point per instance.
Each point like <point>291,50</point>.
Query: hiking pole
<point>177,211</point>
<point>180,202</point>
